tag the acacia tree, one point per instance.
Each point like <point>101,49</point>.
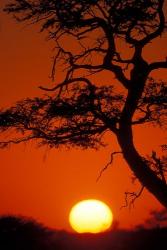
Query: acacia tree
<point>81,108</point>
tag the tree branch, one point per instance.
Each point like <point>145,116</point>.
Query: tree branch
<point>158,65</point>
<point>161,27</point>
<point>131,197</point>
<point>107,165</point>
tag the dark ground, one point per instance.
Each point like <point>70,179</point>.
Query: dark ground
<point>23,234</point>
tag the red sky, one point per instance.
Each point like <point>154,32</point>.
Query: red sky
<point>45,184</point>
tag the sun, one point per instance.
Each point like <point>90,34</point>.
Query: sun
<point>90,216</point>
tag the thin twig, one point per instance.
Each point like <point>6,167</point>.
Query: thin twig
<point>132,196</point>
<point>107,165</point>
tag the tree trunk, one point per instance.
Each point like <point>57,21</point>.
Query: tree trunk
<point>145,175</point>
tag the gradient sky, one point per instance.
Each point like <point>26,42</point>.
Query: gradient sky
<point>45,184</point>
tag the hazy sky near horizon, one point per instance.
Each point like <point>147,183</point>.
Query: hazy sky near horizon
<point>45,184</point>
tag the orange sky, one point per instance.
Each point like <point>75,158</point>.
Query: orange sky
<point>45,184</point>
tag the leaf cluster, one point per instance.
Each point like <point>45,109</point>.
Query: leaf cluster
<point>137,17</point>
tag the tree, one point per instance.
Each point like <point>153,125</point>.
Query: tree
<point>24,233</point>
<point>81,109</point>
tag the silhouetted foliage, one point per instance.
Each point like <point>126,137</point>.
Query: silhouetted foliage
<point>80,108</point>
<point>157,219</point>
<point>23,234</point>
<point>19,233</point>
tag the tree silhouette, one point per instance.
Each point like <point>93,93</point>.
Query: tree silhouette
<point>82,107</point>
<point>20,233</point>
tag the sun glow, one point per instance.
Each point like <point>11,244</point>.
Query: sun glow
<point>90,216</point>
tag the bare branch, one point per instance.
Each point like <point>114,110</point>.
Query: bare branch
<point>161,25</point>
<point>158,65</point>
<point>4,144</point>
<point>131,197</point>
<point>107,165</point>
<point>68,81</point>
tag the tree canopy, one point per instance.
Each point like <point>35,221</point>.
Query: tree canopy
<point>78,110</point>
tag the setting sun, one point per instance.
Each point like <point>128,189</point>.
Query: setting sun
<point>90,216</point>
